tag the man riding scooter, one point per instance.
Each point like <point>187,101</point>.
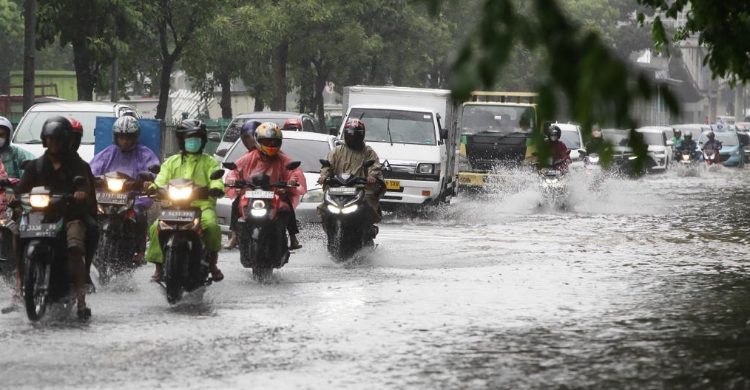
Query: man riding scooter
<point>687,144</point>
<point>711,148</point>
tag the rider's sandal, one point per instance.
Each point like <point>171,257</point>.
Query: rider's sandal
<point>295,247</point>
<point>84,314</point>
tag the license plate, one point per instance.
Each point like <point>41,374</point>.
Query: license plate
<point>392,185</point>
<point>177,216</point>
<point>38,230</point>
<point>342,191</point>
<point>111,198</point>
<point>259,194</point>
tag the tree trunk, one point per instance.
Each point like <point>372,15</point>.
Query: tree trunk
<point>258,96</point>
<point>320,85</point>
<point>279,60</point>
<point>29,51</point>
<point>226,96</point>
<point>85,77</point>
<point>166,76</point>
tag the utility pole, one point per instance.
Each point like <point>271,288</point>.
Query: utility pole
<point>29,50</point>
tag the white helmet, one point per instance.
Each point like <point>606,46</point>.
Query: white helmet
<point>4,122</point>
<point>127,125</point>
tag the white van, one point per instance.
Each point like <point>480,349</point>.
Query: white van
<point>413,130</point>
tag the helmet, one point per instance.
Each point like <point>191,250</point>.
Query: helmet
<point>127,125</point>
<point>677,133</point>
<point>56,127</point>
<point>248,129</point>
<point>292,124</point>
<point>710,135</point>
<point>191,128</point>
<point>553,133</point>
<point>354,134</point>
<point>76,135</point>
<point>596,131</point>
<point>688,135</point>
<point>268,138</point>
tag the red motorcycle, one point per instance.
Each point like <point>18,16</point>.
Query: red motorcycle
<point>711,156</point>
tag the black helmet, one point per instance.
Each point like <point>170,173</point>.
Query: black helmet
<point>688,135</point>
<point>57,127</point>
<point>677,133</point>
<point>710,135</point>
<point>554,133</point>
<point>191,128</point>
<point>354,134</point>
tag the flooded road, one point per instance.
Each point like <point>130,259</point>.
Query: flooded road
<point>645,285</point>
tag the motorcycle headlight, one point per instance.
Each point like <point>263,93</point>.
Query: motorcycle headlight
<point>685,157</point>
<point>594,160</point>
<point>115,185</point>
<point>333,209</point>
<point>349,209</point>
<point>258,208</point>
<point>39,201</point>
<point>313,196</point>
<point>426,169</point>
<point>177,193</point>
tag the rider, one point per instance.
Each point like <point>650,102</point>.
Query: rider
<point>688,144</point>
<point>712,145</point>
<point>191,164</point>
<point>558,149</point>
<point>12,155</point>
<point>596,142</point>
<point>349,158</point>
<point>267,159</point>
<point>677,137</point>
<point>56,170</point>
<point>247,135</point>
<point>127,156</point>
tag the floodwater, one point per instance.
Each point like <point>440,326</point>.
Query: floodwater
<point>643,285</point>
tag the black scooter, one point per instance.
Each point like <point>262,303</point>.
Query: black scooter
<point>179,229</point>
<point>263,220</point>
<point>344,214</point>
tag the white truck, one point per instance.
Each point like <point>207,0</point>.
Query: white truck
<point>413,130</point>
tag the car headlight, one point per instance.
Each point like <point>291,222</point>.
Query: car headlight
<point>349,209</point>
<point>313,196</point>
<point>735,153</point>
<point>426,169</point>
<point>39,201</point>
<point>115,185</point>
<point>177,193</point>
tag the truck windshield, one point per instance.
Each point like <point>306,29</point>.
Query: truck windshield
<point>485,118</point>
<point>406,127</point>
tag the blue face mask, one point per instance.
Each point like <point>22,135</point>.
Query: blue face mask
<point>193,145</point>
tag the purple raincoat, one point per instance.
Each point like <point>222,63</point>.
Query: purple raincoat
<point>131,163</point>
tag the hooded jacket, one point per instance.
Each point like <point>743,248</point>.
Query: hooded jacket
<point>131,163</point>
<point>195,167</point>
<point>253,162</point>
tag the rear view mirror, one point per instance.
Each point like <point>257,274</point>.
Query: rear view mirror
<point>368,163</point>
<point>155,169</point>
<point>145,176</point>
<point>214,137</point>
<point>222,152</point>
<point>217,174</point>
<point>229,165</point>
<point>443,133</point>
<point>325,163</point>
<point>293,165</point>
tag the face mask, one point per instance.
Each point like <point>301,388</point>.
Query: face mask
<point>2,142</point>
<point>554,138</point>
<point>193,145</point>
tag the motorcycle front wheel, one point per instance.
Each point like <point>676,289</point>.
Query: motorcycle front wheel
<point>173,274</point>
<point>35,292</point>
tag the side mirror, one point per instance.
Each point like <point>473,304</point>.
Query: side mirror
<point>443,134</point>
<point>582,152</point>
<point>222,152</point>
<point>325,163</point>
<point>145,176</point>
<point>155,169</point>
<point>568,152</point>
<point>229,165</point>
<point>214,136</point>
<point>217,174</point>
<point>293,165</point>
<point>670,143</point>
<point>338,142</point>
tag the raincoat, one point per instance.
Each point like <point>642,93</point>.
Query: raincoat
<point>3,175</point>
<point>254,162</point>
<point>198,168</point>
<point>347,160</point>
<point>12,157</point>
<point>131,163</point>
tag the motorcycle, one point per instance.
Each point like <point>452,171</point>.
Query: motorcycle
<point>43,251</point>
<point>553,185</point>
<point>263,220</point>
<point>179,230</point>
<point>7,225</point>
<point>118,238</point>
<point>593,171</point>
<point>344,214</point>
<point>711,157</point>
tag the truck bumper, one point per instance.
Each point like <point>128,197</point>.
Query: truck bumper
<point>413,192</point>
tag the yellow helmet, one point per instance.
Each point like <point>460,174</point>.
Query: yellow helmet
<point>268,137</point>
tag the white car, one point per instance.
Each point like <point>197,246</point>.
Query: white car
<point>308,148</point>
<point>659,150</point>
<point>29,129</point>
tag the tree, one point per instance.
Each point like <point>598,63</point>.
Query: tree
<point>97,30</point>
<point>11,39</point>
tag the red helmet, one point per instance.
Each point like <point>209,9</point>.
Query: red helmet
<point>77,134</point>
<point>292,124</point>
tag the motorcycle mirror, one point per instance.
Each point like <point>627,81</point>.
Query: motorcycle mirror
<point>214,136</point>
<point>568,152</point>
<point>325,163</point>
<point>217,174</point>
<point>229,165</point>
<point>293,165</point>
<point>145,176</point>
<point>368,163</point>
<point>222,152</point>
<point>155,169</point>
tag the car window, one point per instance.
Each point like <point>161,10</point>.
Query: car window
<point>616,137</point>
<point>571,139</point>
<point>31,127</point>
<point>653,138</point>
<point>403,127</point>
<point>308,152</point>
<point>232,133</point>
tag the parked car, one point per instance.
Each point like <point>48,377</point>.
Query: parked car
<point>659,152</point>
<point>732,152</point>
<point>308,148</point>
<point>29,129</point>
<point>232,132</point>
